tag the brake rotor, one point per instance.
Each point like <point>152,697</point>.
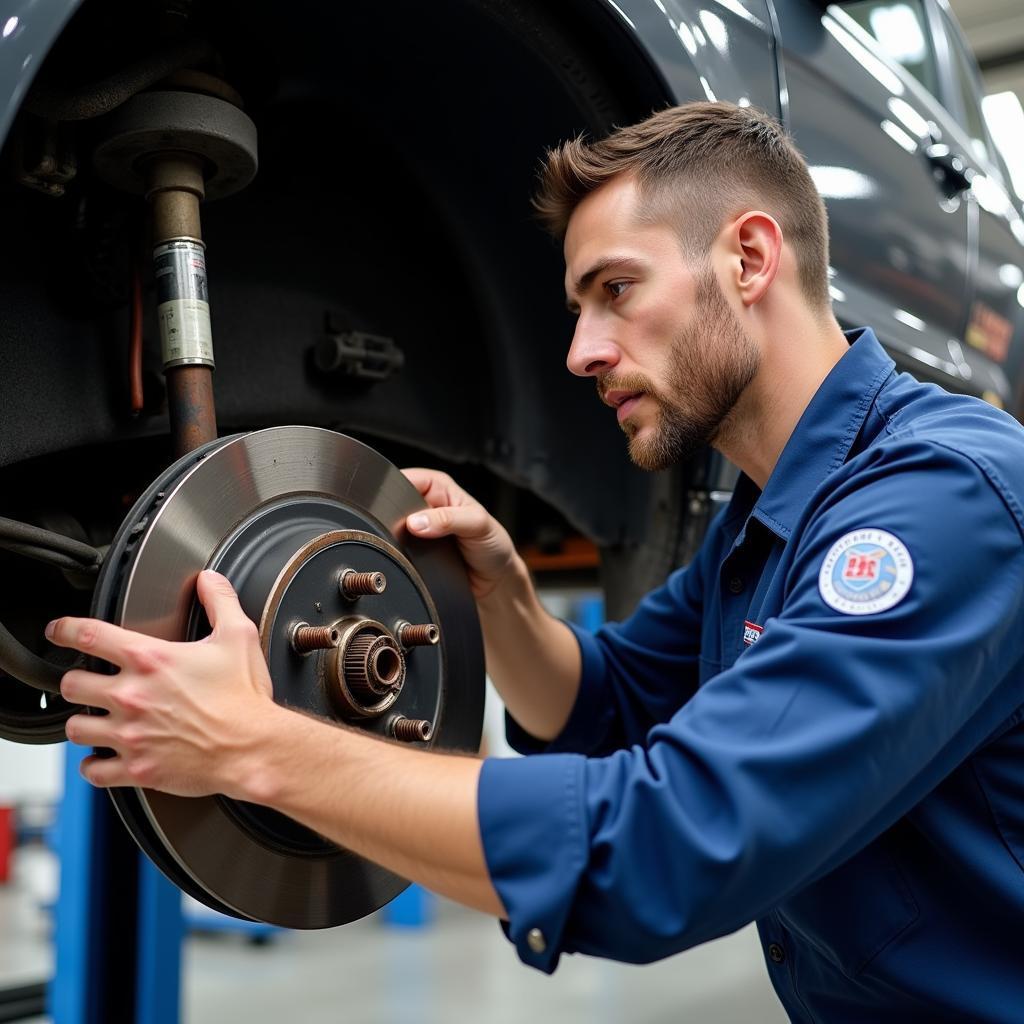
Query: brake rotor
<point>359,622</point>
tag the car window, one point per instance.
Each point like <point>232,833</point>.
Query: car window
<point>901,30</point>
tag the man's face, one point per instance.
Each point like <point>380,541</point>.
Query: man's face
<point>664,346</point>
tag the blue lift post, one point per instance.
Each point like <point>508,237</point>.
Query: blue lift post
<point>117,922</point>
<point>161,933</point>
<point>588,611</point>
<point>414,907</point>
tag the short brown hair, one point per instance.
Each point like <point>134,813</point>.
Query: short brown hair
<point>697,164</point>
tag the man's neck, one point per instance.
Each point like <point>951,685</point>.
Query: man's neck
<point>794,365</point>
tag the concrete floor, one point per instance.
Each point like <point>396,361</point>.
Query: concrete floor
<point>458,970</point>
<point>461,969</point>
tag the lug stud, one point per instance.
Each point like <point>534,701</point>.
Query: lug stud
<point>410,730</point>
<point>306,638</point>
<point>423,635</point>
<point>354,584</point>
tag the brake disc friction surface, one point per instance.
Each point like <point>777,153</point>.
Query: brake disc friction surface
<point>283,513</point>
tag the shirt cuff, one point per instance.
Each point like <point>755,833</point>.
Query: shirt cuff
<point>591,714</point>
<point>535,839</point>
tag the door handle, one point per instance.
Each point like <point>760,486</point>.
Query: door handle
<point>950,169</point>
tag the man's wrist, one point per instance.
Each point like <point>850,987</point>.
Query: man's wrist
<point>255,772</point>
<point>515,587</point>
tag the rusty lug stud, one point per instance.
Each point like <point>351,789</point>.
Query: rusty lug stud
<point>410,730</point>
<point>423,635</point>
<point>354,584</point>
<point>306,638</point>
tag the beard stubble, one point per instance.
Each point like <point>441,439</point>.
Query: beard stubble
<point>711,362</point>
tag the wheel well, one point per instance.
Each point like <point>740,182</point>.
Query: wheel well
<point>398,152</point>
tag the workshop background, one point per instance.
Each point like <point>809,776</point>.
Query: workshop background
<point>419,958</point>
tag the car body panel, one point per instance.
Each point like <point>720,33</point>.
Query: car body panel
<point>716,50</point>
<point>994,331</point>
<point>28,30</point>
<point>899,248</point>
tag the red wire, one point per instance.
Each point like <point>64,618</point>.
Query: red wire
<point>135,347</point>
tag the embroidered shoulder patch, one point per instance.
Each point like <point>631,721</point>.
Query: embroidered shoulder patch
<point>865,571</point>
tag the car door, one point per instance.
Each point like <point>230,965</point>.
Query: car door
<point>867,125</point>
<point>994,329</point>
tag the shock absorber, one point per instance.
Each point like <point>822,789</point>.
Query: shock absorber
<point>178,148</point>
<point>176,187</point>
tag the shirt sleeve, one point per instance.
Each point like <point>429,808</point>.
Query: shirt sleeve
<point>636,673</point>
<point>817,739</point>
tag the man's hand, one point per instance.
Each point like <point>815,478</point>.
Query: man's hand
<point>533,659</point>
<point>486,547</point>
<point>185,718</point>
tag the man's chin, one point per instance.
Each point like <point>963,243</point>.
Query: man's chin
<point>648,453</point>
<point>653,449</point>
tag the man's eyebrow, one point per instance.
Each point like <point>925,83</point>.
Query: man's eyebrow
<point>586,279</point>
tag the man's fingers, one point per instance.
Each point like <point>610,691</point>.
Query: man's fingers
<point>467,521</point>
<point>421,479</point>
<point>220,601</point>
<point>89,730</point>
<point>105,771</point>
<point>436,488</point>
<point>81,687</point>
<point>91,636</point>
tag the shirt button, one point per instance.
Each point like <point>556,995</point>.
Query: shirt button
<point>776,953</point>
<point>736,585</point>
<point>536,941</point>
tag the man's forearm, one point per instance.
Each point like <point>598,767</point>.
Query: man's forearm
<point>410,811</point>
<point>533,659</point>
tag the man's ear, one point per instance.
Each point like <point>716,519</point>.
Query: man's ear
<point>755,243</point>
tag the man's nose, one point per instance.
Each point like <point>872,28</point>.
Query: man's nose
<point>592,352</point>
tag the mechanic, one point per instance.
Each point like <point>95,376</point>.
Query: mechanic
<point>818,724</point>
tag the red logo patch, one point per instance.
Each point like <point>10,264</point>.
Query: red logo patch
<point>751,632</point>
<point>861,567</point>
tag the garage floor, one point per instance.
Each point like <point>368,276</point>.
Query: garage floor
<point>458,970</point>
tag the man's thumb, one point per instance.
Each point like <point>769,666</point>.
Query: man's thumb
<point>219,599</point>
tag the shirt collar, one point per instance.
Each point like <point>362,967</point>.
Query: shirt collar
<point>824,434</point>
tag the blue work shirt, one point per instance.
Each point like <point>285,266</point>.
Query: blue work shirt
<point>818,725</point>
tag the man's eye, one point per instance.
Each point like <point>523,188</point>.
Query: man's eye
<point>616,288</point>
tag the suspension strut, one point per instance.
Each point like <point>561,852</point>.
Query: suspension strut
<point>179,148</point>
<point>175,189</point>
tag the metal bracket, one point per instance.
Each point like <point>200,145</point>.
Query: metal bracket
<point>43,157</point>
<point>358,354</point>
